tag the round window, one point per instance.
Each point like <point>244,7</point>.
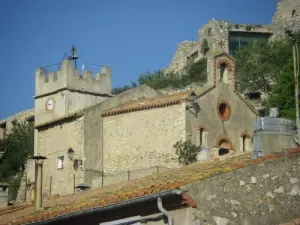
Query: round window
<point>224,110</point>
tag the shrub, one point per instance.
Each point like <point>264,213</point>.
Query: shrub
<point>186,152</point>
<point>196,72</point>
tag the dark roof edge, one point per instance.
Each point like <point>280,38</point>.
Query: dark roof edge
<point>168,193</point>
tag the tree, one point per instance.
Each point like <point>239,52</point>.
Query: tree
<point>186,152</point>
<point>268,67</point>
<point>18,147</point>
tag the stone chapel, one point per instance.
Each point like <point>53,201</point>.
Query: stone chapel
<point>93,137</point>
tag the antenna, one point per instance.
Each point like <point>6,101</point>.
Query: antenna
<point>74,57</point>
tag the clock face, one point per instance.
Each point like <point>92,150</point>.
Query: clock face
<point>50,104</point>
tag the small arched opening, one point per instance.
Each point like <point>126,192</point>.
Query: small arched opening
<point>245,145</point>
<point>293,13</point>
<point>223,72</point>
<point>224,145</point>
<point>201,136</point>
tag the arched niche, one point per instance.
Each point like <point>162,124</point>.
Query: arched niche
<point>245,142</point>
<point>224,144</point>
<point>224,70</point>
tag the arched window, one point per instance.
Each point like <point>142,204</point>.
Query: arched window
<point>224,145</point>
<point>245,145</point>
<point>293,13</point>
<point>201,136</point>
<point>222,71</point>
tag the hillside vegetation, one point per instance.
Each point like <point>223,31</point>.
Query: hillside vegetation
<point>17,147</point>
<point>268,67</point>
<point>194,73</point>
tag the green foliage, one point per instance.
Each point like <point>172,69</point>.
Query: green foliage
<point>17,146</point>
<point>14,185</point>
<point>204,46</point>
<point>195,72</point>
<point>116,91</point>
<point>268,67</point>
<point>186,151</point>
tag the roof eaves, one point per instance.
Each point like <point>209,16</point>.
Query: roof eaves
<point>140,199</point>
<point>141,108</point>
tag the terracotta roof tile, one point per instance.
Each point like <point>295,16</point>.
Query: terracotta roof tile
<point>293,222</point>
<point>101,197</point>
<point>149,103</point>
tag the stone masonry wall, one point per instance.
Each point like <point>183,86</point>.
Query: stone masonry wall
<point>216,34</point>
<point>54,142</point>
<point>143,139</point>
<point>21,116</point>
<point>287,15</point>
<point>179,60</point>
<point>266,193</point>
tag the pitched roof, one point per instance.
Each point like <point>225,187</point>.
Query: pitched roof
<point>81,112</point>
<point>149,103</point>
<point>120,193</point>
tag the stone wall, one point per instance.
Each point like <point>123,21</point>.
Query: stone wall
<point>240,121</point>
<point>54,142</point>
<point>3,195</point>
<point>21,116</point>
<point>266,193</point>
<point>287,15</point>
<point>179,60</point>
<point>143,139</point>
<point>216,34</point>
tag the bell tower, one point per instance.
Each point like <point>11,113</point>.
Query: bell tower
<point>65,91</point>
<point>221,70</point>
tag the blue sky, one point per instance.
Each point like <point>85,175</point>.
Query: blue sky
<point>132,36</point>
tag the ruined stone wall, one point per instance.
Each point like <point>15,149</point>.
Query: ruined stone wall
<point>287,15</point>
<point>54,142</point>
<point>21,116</point>
<point>216,34</point>
<point>266,193</point>
<point>143,139</point>
<point>179,60</point>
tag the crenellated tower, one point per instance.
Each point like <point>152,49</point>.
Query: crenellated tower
<point>65,91</point>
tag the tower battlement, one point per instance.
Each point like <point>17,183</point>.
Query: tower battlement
<point>68,78</point>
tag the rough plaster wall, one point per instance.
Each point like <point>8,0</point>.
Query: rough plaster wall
<point>143,139</point>
<point>215,32</point>
<point>267,193</point>
<point>54,142</point>
<point>179,60</point>
<point>283,17</point>
<point>241,119</point>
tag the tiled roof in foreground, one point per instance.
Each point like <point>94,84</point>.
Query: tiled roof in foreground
<point>118,193</point>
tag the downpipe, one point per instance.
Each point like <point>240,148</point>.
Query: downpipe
<point>163,211</point>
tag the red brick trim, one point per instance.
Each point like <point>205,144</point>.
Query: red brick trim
<point>225,138</point>
<point>204,127</point>
<point>245,134</point>
<point>227,113</point>
<point>224,60</point>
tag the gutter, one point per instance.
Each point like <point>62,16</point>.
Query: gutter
<point>99,209</point>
